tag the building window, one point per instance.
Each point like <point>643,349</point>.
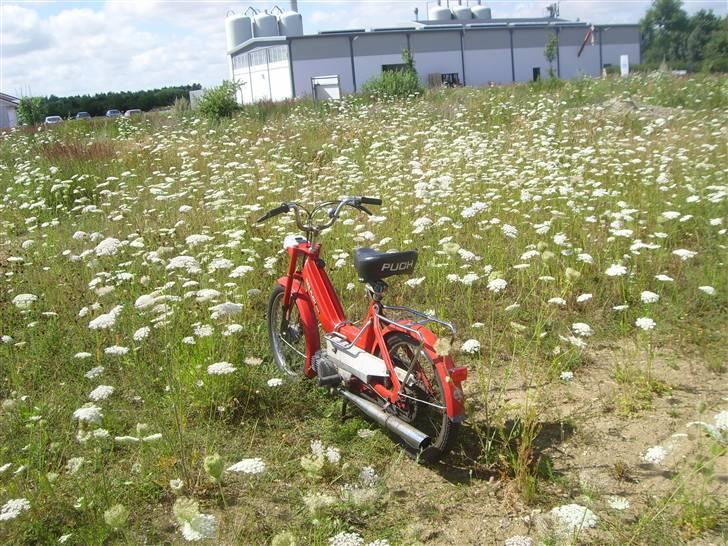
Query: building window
<point>536,73</point>
<point>394,67</point>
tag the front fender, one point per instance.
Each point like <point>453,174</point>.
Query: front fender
<point>454,397</point>
<point>308,319</point>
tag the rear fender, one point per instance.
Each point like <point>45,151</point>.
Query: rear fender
<point>454,398</point>
<point>308,318</point>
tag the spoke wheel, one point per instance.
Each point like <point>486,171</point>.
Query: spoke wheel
<point>286,335</point>
<point>423,405</point>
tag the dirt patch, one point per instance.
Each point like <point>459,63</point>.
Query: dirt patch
<point>598,454</point>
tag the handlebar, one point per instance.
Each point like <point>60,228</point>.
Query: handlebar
<point>274,212</point>
<point>336,206</point>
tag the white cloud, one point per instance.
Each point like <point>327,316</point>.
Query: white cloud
<point>111,46</point>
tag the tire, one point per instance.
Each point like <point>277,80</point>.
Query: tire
<point>432,421</point>
<point>287,339</point>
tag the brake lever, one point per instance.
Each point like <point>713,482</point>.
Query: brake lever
<point>361,208</point>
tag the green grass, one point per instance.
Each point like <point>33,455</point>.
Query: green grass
<point>569,176</point>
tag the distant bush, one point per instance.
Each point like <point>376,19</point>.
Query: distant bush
<point>181,106</point>
<point>395,83</point>
<point>31,110</point>
<point>219,102</point>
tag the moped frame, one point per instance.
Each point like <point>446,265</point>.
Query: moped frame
<point>309,287</point>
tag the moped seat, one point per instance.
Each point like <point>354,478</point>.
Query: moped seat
<point>372,265</point>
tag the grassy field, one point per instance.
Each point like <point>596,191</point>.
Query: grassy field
<point>574,233</point>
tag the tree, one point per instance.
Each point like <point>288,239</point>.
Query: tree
<point>664,30</point>
<point>703,24</point>
<point>551,51</point>
<point>716,51</point>
<point>31,110</point>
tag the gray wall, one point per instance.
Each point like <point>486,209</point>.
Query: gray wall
<point>8,114</point>
<point>487,54</point>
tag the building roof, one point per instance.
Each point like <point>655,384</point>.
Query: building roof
<point>429,26</point>
<point>9,98</point>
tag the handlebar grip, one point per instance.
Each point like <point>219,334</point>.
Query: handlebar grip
<point>371,201</point>
<point>274,212</point>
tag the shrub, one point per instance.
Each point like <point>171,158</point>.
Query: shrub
<point>398,83</point>
<point>181,106</point>
<point>395,83</point>
<point>219,102</point>
<point>31,110</point>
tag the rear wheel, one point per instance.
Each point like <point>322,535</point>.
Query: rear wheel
<point>423,404</point>
<point>286,335</point>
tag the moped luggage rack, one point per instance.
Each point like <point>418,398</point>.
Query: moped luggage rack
<point>424,317</point>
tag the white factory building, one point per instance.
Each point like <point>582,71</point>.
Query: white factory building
<point>272,59</point>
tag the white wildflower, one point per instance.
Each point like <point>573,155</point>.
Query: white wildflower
<point>649,297</point>
<point>582,329</point>
<point>102,392</point>
<point>684,254</point>
<point>645,323</point>
<point>221,368</point>
<point>497,285</point>
<point>13,508</point>
<point>574,517</point>
<point>116,350</point>
<point>654,455</point>
<point>24,301</point>
<point>94,372</point>
<point>616,270</point>
<point>141,333</point>
<point>89,414</point>
<point>471,346</point>
<point>618,503</point>
<point>249,466</point>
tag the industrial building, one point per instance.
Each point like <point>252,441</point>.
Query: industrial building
<point>272,59</point>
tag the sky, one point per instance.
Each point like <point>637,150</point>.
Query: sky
<point>89,46</point>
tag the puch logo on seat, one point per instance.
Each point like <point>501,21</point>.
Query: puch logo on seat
<point>401,266</point>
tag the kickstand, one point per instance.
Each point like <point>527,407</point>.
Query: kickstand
<point>343,410</point>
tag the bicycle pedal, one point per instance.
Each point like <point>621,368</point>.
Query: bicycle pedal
<point>329,380</point>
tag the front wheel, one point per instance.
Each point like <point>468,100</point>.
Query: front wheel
<point>423,404</point>
<point>286,334</point>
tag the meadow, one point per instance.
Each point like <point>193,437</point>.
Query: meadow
<point>574,233</point>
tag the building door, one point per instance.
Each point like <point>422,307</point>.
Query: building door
<point>326,87</point>
<point>536,73</point>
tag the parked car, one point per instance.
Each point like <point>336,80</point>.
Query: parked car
<point>132,112</point>
<point>83,115</point>
<point>52,120</point>
<point>113,113</point>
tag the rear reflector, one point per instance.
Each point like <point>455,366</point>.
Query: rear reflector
<point>459,374</point>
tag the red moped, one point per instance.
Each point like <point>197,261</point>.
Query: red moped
<point>387,364</point>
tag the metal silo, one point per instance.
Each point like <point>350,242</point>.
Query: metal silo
<point>290,23</point>
<point>481,12</point>
<point>440,13</point>
<point>237,30</point>
<point>265,24</point>
<point>462,12</point>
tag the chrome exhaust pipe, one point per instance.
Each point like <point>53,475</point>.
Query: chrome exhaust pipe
<point>413,437</point>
